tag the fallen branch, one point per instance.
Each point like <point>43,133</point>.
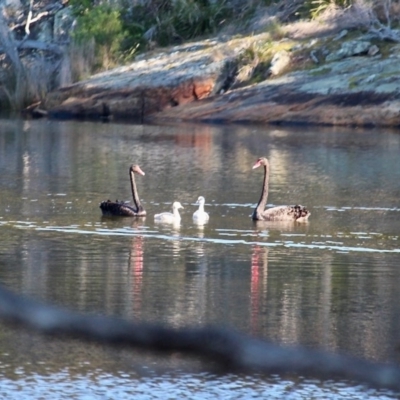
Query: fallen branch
<point>231,350</point>
<point>49,10</point>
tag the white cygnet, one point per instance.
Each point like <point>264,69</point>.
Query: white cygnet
<point>168,217</point>
<point>200,216</point>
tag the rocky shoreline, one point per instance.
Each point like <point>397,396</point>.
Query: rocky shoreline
<point>192,83</point>
<point>308,97</point>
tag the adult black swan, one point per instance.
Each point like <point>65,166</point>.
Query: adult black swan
<point>282,213</point>
<point>122,209</point>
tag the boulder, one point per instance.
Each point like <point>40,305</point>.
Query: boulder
<point>350,92</point>
<point>349,49</point>
<point>280,61</point>
<point>162,81</point>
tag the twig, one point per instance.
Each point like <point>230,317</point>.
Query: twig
<point>28,20</point>
<point>231,350</point>
<point>32,20</point>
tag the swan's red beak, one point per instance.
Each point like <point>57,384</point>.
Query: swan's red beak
<point>139,170</point>
<point>257,164</point>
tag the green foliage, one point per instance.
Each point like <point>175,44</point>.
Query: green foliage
<point>121,28</point>
<point>177,20</point>
<point>80,7</point>
<point>104,25</point>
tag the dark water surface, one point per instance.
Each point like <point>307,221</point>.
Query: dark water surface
<point>332,283</point>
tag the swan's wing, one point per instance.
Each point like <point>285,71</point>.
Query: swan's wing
<point>117,208</point>
<point>286,213</point>
<point>120,209</point>
<point>165,216</point>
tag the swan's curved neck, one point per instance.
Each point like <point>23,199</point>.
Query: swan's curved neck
<point>264,192</point>
<point>176,213</point>
<point>135,194</point>
<point>201,207</point>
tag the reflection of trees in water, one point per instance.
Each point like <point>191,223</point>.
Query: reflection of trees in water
<point>196,136</point>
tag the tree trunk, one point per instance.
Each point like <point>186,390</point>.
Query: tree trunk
<point>18,93</point>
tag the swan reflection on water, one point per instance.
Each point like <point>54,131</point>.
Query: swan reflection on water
<point>113,222</point>
<point>135,230</point>
<point>135,274</point>
<point>199,244</point>
<point>258,285</point>
<point>282,226</point>
<point>172,231</point>
<point>176,241</point>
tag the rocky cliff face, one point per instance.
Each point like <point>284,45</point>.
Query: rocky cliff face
<point>352,85</point>
<point>155,83</point>
<point>356,91</point>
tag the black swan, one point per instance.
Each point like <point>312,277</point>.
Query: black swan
<point>122,209</point>
<point>282,213</point>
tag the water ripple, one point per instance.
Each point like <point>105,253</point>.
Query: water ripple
<point>99,384</point>
<point>357,241</point>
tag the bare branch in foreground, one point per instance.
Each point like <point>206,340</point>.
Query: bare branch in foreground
<point>231,350</point>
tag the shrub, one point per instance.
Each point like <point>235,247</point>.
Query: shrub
<point>172,21</point>
<point>104,25</point>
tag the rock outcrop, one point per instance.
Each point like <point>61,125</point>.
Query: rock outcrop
<point>188,85</point>
<point>355,91</point>
<point>166,80</point>
<point>354,86</point>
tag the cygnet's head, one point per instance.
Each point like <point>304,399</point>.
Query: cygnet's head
<point>201,200</point>
<point>176,205</point>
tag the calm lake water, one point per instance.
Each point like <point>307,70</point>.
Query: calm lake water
<point>332,283</point>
